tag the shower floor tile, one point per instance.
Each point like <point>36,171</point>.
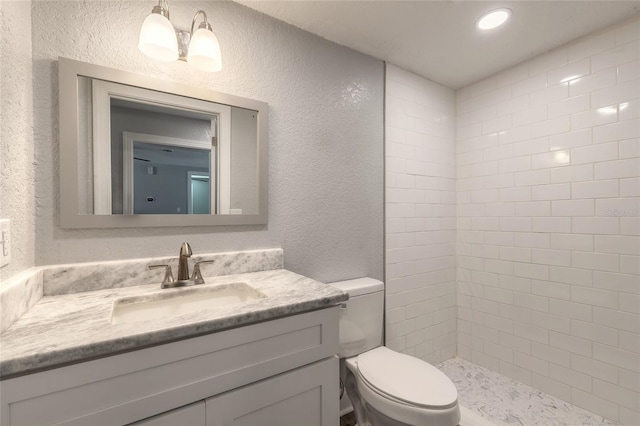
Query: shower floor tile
<point>505,401</point>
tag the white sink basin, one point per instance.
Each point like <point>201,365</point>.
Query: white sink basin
<point>181,301</point>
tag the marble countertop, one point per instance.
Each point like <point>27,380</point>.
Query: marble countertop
<point>76,327</point>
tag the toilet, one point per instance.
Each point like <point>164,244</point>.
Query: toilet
<point>386,387</point>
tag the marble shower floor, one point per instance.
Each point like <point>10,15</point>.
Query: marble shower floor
<point>507,402</point>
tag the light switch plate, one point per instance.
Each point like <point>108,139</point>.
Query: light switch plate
<point>5,242</point>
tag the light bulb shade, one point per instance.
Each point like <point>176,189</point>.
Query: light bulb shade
<point>158,38</point>
<point>204,51</point>
<point>493,19</point>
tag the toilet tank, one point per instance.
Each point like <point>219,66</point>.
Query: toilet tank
<point>361,322</point>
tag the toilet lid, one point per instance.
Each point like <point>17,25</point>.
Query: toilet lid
<point>407,378</point>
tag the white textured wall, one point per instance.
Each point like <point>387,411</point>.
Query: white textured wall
<point>326,153</point>
<point>17,168</point>
<point>420,215</point>
<point>548,187</point>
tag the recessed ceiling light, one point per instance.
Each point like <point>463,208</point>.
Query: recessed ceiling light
<point>493,19</point>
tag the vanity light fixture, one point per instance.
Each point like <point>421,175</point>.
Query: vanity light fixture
<point>493,19</point>
<point>159,40</point>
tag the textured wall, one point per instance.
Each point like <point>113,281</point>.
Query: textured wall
<point>548,205</point>
<point>17,168</point>
<point>420,211</point>
<point>326,154</point>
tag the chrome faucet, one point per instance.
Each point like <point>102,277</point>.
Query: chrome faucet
<point>183,270</point>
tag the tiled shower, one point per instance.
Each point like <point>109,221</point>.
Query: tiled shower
<point>420,216</point>
<point>543,285</point>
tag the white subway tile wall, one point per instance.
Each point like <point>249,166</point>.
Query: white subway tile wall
<point>548,197</point>
<point>420,214</point>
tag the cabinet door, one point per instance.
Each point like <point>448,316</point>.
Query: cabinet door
<point>189,415</point>
<point>307,396</point>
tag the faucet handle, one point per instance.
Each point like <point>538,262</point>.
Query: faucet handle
<point>168,275</point>
<point>197,273</point>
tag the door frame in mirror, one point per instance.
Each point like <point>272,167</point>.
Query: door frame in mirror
<point>69,139</point>
<point>103,91</point>
<point>128,140</point>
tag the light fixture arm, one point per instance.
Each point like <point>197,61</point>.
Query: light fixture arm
<point>203,24</point>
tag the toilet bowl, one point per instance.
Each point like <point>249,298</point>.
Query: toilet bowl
<point>386,387</point>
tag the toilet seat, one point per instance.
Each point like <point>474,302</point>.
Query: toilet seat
<point>406,379</point>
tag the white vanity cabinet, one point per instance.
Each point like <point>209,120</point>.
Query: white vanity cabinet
<point>277,372</point>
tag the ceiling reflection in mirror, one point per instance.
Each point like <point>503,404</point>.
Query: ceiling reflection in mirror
<point>146,152</point>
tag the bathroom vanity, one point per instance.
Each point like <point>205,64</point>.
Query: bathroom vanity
<point>267,360</point>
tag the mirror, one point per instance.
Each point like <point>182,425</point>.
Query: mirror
<point>136,151</point>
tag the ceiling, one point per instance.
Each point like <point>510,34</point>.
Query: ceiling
<point>172,155</point>
<point>438,39</point>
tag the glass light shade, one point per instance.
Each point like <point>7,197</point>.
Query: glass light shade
<point>158,38</point>
<point>204,51</point>
<point>494,19</point>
